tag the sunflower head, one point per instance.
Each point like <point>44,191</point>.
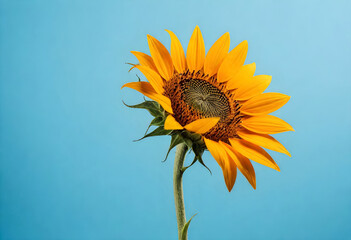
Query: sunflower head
<point>211,102</point>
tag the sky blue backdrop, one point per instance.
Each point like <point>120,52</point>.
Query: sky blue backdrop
<point>69,168</point>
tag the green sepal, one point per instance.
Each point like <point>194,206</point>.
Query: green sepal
<point>176,139</point>
<point>152,106</point>
<point>186,139</point>
<point>203,164</point>
<point>194,137</point>
<point>158,121</point>
<point>160,131</point>
<point>193,141</point>
<point>185,228</point>
<point>192,163</point>
<point>198,151</point>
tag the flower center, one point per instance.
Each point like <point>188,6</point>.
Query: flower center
<point>205,98</point>
<point>195,96</point>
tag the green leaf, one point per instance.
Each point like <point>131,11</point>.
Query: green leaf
<point>176,139</point>
<point>160,131</point>
<point>185,228</point>
<point>151,106</point>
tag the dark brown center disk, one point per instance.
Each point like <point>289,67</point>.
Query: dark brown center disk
<point>205,98</point>
<point>193,96</point>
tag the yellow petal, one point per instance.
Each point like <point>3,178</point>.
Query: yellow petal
<point>263,140</point>
<point>153,77</point>
<point>224,161</point>
<point>264,103</point>
<point>216,54</point>
<point>146,89</point>
<point>253,87</point>
<point>266,124</point>
<point>242,77</point>
<point>232,62</point>
<point>172,124</point>
<point>177,53</point>
<point>195,54</point>
<point>229,173</point>
<point>145,60</point>
<point>243,163</point>
<point>161,57</point>
<point>215,151</point>
<point>253,152</point>
<point>202,125</point>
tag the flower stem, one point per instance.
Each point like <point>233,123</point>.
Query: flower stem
<point>178,187</point>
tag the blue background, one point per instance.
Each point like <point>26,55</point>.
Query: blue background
<point>69,168</point>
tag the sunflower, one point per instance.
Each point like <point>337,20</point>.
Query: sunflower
<point>213,101</point>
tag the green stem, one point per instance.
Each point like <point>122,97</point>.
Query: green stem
<point>178,187</point>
